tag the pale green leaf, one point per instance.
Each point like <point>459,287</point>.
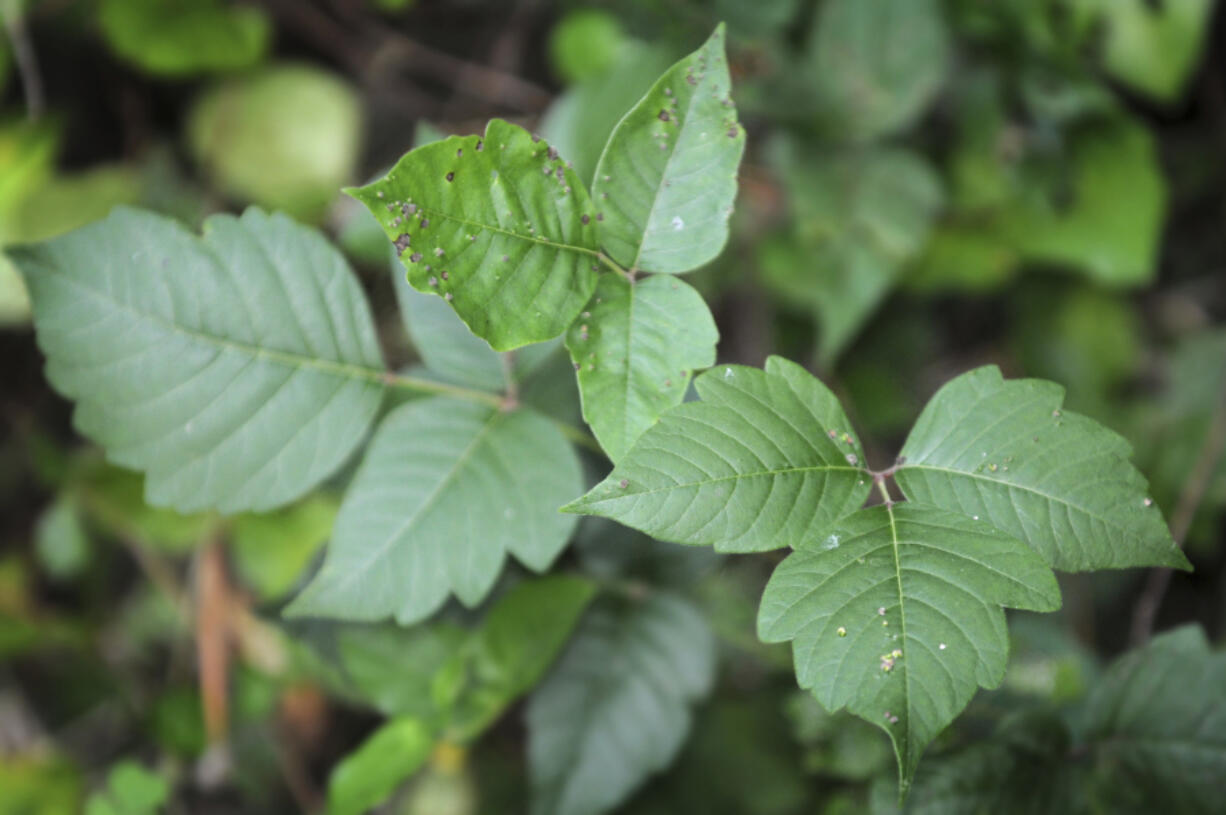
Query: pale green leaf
<point>667,178</point>
<point>1006,452</point>
<point>877,63</point>
<point>367,776</point>
<point>616,709</point>
<point>1156,723</point>
<point>896,615</point>
<point>634,350</point>
<point>766,459</point>
<point>177,38</point>
<point>498,225</point>
<point>446,490</point>
<point>237,370</point>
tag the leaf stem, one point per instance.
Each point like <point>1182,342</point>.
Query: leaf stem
<point>612,264</point>
<point>418,385</point>
<point>494,400</point>
<point>879,480</point>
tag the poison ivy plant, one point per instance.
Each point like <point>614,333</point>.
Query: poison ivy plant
<point>893,611</point>
<point>239,370</point>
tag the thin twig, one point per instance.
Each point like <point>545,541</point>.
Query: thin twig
<point>213,639</point>
<point>23,55</point>
<point>1146,610</point>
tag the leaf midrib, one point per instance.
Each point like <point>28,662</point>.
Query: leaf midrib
<point>902,622</point>
<point>426,504</point>
<point>672,153</point>
<point>287,358</point>
<point>438,213</point>
<point>735,477</point>
<point>1024,488</point>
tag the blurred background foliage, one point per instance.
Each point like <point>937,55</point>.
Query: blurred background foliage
<point>930,185</point>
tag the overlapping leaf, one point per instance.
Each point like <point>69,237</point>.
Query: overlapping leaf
<point>447,489</point>
<point>1148,739</point>
<point>766,459</point>
<point>667,178</point>
<point>496,224</point>
<point>1005,452</point>
<point>634,350</point>
<point>616,708</point>
<point>1157,726</point>
<point>237,371</point>
<point>896,615</point>
<point>452,352</point>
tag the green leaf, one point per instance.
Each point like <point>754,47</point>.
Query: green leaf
<point>395,669</point>
<point>896,615</point>
<point>447,489</point>
<point>1006,452</point>
<point>766,459</point>
<point>14,299</point>
<point>237,371</point>
<point>284,137</point>
<point>634,351</point>
<point>1025,768</point>
<point>860,217</point>
<point>667,178</point>
<point>63,203</point>
<point>114,499</point>
<point>1156,722</point>
<point>1154,48</point>
<point>130,790</point>
<point>452,352</point>
<point>367,776</point>
<point>499,225</point>
<point>580,120</point>
<point>1112,226</point>
<point>272,550</point>
<point>616,709</point>
<point>518,640</point>
<point>877,64</point>
<point>177,38</point>
<point>585,43</point>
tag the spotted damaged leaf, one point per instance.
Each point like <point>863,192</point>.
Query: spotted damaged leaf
<point>498,225</point>
<point>667,178</point>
